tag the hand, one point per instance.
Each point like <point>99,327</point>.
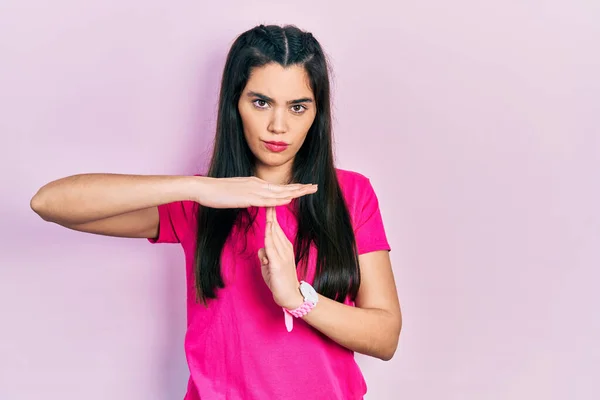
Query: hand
<point>278,264</point>
<point>243,192</point>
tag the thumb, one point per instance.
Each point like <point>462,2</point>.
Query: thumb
<point>262,256</point>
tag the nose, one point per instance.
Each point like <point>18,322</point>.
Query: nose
<point>278,123</point>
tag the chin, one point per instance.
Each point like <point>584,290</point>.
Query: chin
<point>275,160</point>
<point>271,163</point>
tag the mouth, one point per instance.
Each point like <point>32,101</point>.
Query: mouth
<point>276,147</point>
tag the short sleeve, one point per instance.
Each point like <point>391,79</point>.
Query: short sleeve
<point>175,222</point>
<point>369,231</point>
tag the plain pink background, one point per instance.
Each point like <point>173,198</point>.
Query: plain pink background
<point>476,121</point>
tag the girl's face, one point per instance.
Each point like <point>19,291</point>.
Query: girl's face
<point>277,108</point>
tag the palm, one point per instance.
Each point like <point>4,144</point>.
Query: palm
<point>278,266</point>
<point>244,192</point>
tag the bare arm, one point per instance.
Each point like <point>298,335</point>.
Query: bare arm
<point>127,205</point>
<point>373,326</point>
<point>111,204</point>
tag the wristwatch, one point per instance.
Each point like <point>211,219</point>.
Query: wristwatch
<point>311,298</point>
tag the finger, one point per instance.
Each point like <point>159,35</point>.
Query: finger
<point>276,188</point>
<point>262,256</point>
<point>275,231</point>
<point>274,238</point>
<point>271,245</point>
<point>280,195</point>
<point>270,249</point>
<point>302,191</point>
<point>303,188</point>
<point>278,199</point>
<point>270,202</point>
<point>277,191</point>
<point>271,199</point>
<point>285,241</point>
<point>273,217</point>
<point>280,240</point>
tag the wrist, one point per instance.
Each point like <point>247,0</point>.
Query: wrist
<point>195,186</point>
<point>310,298</point>
<point>305,294</point>
<point>293,302</point>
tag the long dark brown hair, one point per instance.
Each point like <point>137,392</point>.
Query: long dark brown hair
<point>323,218</point>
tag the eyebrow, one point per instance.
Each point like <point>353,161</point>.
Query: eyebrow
<point>270,100</point>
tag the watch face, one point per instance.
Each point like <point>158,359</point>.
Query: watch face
<point>309,292</point>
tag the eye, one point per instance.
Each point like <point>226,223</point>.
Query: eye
<point>260,104</point>
<point>298,108</point>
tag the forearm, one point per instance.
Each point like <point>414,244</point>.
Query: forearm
<point>374,332</point>
<point>89,197</point>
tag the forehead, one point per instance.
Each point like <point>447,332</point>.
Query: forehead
<point>279,83</point>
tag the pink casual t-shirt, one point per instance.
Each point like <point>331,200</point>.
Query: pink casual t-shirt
<point>238,348</point>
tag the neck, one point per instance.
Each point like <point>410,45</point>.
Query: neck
<point>280,175</point>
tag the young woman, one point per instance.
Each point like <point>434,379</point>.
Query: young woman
<point>288,264</point>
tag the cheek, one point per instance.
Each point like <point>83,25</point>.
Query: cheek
<point>306,123</point>
<point>310,122</point>
<point>250,123</point>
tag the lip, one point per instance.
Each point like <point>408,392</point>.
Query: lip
<point>276,147</point>
<point>276,143</point>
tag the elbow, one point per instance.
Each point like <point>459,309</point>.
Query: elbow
<point>37,204</point>
<point>387,353</point>
<point>388,350</point>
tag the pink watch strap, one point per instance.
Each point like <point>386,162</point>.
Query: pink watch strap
<point>298,312</point>
<point>302,310</point>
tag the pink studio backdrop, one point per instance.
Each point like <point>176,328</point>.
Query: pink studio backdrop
<point>476,121</point>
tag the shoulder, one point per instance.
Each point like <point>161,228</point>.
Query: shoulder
<point>357,190</point>
<point>352,182</point>
<point>353,177</point>
<point>363,207</point>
